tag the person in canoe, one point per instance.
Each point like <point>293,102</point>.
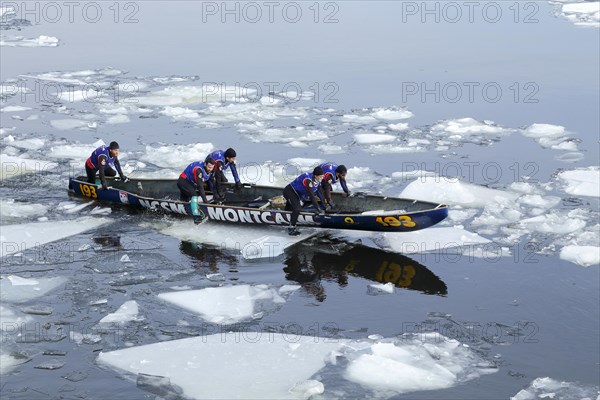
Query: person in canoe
<point>333,174</point>
<point>224,159</point>
<point>191,181</point>
<point>104,160</point>
<point>300,190</point>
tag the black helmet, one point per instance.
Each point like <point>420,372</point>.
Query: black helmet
<point>230,153</point>
<point>113,145</point>
<point>318,171</point>
<point>341,169</point>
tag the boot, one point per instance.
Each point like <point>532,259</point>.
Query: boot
<point>293,231</point>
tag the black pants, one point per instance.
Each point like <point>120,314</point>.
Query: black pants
<point>219,178</point>
<point>293,203</point>
<point>187,189</point>
<point>91,173</point>
<point>327,189</point>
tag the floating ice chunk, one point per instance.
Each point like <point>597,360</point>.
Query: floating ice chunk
<point>307,389</point>
<point>453,191</point>
<point>283,368</point>
<point>586,13</point>
<point>582,181</point>
<point>17,166</point>
<point>402,126</point>
<point>305,163</point>
<point>76,209</point>
<point>69,123</point>
<point>101,210</point>
<point>331,149</point>
<point>14,109</point>
<point>18,238</point>
<point>9,320</point>
<point>391,114</point>
<point>265,367</point>
<point>381,288</point>
<point>10,361</point>
<point>432,239</point>
<point>9,209</point>
<point>228,304</point>
<point>371,138</point>
<point>252,242</point>
<point>570,157</point>
<point>14,289</point>
<point>535,200</point>
<point>555,222</point>
<point>429,363</point>
<point>394,149</point>
<point>288,135</point>
<point>84,338</point>
<point>463,127</point>
<point>125,259</point>
<point>20,41</point>
<point>548,135</point>
<point>128,311</point>
<point>548,388</point>
<point>358,119</point>
<point>27,144</point>
<point>118,119</point>
<point>176,156</point>
<point>582,255</point>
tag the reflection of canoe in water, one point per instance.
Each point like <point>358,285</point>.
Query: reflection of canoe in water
<point>261,205</point>
<point>310,263</point>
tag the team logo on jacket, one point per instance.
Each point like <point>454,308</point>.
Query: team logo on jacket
<point>123,197</point>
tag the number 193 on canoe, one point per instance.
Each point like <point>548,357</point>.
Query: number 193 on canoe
<point>403,220</point>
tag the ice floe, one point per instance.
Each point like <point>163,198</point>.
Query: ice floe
<point>271,365</point>
<point>550,136</point>
<point>548,388</point>
<point>29,236</point>
<point>373,138</point>
<point>176,156</point>
<point>582,255</point>
<point>129,311</point>
<point>432,362</point>
<point>464,128</point>
<point>430,240</point>
<point>11,210</point>
<point>228,305</point>
<point>581,181</point>
<point>581,13</point>
<point>454,191</point>
<point>250,242</point>
<point>15,289</point>
<point>14,166</point>
<point>20,41</point>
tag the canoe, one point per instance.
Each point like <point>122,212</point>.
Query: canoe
<point>264,205</point>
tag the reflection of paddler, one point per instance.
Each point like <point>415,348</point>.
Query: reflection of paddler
<point>374,264</point>
<point>209,257</point>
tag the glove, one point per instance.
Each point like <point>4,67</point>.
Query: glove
<point>125,179</point>
<point>238,185</point>
<point>331,204</point>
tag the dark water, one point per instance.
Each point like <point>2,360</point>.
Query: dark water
<point>532,314</point>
